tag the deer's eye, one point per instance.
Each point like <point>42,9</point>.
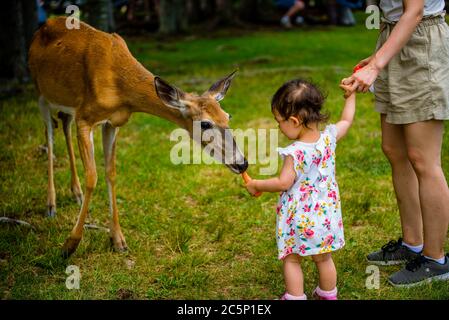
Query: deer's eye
<point>205,125</point>
<point>230,116</point>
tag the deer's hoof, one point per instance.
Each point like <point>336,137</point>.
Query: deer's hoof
<point>69,247</point>
<point>78,194</point>
<point>51,211</point>
<point>79,199</point>
<point>119,244</point>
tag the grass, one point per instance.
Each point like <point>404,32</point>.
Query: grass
<point>192,230</point>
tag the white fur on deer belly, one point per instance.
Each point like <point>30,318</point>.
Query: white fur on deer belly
<point>65,109</point>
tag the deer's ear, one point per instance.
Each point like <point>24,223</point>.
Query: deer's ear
<point>170,95</point>
<point>218,89</point>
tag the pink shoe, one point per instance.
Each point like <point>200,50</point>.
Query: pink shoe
<point>319,294</point>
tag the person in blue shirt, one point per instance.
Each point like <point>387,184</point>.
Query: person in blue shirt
<point>41,14</point>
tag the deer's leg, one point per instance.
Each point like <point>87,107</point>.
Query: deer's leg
<point>75,186</point>
<point>109,142</point>
<point>86,146</point>
<point>51,194</point>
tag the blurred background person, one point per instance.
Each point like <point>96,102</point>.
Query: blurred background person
<point>293,7</point>
<point>41,13</point>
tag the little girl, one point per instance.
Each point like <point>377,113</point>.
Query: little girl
<point>309,219</point>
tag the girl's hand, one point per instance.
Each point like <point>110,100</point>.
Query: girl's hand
<point>251,187</point>
<point>347,90</point>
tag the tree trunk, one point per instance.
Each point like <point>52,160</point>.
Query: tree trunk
<point>173,16</point>
<point>224,12</point>
<point>18,21</point>
<point>194,12</point>
<point>100,15</point>
<point>249,10</point>
<point>207,8</point>
<point>30,20</point>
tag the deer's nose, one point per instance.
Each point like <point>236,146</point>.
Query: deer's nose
<point>242,166</point>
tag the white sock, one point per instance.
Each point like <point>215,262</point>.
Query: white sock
<point>415,249</point>
<point>440,260</point>
<point>289,296</point>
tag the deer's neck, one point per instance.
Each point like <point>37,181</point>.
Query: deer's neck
<point>146,100</point>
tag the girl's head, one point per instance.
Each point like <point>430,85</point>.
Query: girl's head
<point>296,106</point>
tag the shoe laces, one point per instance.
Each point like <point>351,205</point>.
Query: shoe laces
<point>416,263</point>
<point>392,246</point>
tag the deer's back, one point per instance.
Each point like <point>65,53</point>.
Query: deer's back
<point>77,67</point>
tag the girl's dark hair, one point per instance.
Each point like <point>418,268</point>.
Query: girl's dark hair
<point>299,98</point>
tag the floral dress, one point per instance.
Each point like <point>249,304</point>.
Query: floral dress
<point>309,218</point>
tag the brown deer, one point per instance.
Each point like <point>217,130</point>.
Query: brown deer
<point>91,77</point>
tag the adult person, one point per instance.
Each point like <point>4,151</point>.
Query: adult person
<point>410,72</point>
<point>41,14</point>
<point>293,7</point>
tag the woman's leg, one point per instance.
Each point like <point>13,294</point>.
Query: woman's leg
<point>405,182</point>
<point>293,277</point>
<point>326,271</point>
<point>423,141</point>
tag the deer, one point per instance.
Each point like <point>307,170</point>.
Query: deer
<point>91,78</point>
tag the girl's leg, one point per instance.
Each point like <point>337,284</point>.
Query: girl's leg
<point>423,141</point>
<point>293,277</point>
<point>326,271</point>
<point>405,182</point>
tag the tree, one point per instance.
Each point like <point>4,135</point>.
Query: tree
<point>224,12</point>
<point>18,22</point>
<point>172,16</point>
<point>100,14</point>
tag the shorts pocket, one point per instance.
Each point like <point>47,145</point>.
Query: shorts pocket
<point>415,51</point>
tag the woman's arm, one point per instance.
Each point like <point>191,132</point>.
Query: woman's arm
<point>281,183</point>
<point>401,34</point>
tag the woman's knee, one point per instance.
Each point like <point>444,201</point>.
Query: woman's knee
<point>394,153</point>
<point>422,163</point>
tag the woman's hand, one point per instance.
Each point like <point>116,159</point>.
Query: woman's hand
<point>364,62</point>
<point>361,80</point>
<point>251,187</point>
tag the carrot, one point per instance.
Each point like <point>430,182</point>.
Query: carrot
<point>247,179</point>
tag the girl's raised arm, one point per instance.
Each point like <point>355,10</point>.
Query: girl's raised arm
<point>347,116</point>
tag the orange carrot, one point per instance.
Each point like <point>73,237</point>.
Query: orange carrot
<point>247,179</point>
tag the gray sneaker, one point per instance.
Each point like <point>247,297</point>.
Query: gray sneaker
<point>394,252</point>
<point>419,271</point>
<point>285,22</point>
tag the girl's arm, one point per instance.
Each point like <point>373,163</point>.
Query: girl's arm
<point>347,116</point>
<point>281,183</point>
<point>401,34</point>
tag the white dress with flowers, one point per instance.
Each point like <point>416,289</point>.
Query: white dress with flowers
<point>309,218</point>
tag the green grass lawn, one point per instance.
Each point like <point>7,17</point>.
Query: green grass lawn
<point>193,231</point>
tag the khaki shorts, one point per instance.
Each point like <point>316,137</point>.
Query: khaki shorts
<point>414,86</point>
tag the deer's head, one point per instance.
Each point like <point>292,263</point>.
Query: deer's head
<point>203,113</point>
